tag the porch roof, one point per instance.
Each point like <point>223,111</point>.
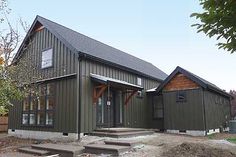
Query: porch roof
<point>115,82</point>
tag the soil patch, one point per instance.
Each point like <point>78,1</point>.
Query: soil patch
<point>197,150</point>
<point>10,143</point>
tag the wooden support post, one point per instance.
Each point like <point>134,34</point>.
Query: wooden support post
<point>130,96</point>
<point>96,94</point>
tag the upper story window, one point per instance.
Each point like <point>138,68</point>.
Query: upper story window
<point>139,81</point>
<point>47,57</point>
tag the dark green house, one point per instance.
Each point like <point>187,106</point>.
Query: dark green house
<point>190,104</point>
<point>83,85</point>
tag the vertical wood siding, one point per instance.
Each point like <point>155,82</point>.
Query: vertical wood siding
<point>64,63</point>
<point>135,113</point>
<point>64,113</point>
<point>184,115</point>
<point>217,110</point>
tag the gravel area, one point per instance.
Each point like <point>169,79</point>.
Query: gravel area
<point>158,144</point>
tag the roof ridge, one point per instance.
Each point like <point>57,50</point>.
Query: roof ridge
<point>95,40</point>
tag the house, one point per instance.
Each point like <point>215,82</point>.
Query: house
<point>83,85</point>
<point>189,104</point>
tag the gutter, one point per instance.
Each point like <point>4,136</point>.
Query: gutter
<point>80,91</point>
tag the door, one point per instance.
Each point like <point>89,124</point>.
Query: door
<point>110,115</point>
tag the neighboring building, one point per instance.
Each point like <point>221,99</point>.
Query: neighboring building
<point>81,77</point>
<point>190,104</point>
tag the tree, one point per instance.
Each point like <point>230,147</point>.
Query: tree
<point>9,39</point>
<point>218,20</point>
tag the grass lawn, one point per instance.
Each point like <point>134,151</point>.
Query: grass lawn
<point>232,140</point>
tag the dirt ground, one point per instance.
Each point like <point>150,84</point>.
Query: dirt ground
<point>158,145</point>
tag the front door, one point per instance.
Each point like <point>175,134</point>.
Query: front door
<point>110,114</point>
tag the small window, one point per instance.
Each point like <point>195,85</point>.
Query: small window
<point>25,119</point>
<point>47,57</point>
<point>49,118</point>
<point>181,96</point>
<point>32,119</point>
<point>139,81</point>
<point>40,118</point>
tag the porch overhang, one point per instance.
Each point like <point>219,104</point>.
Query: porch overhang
<point>106,82</point>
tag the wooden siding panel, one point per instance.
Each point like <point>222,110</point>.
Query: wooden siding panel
<point>64,63</point>
<point>180,82</point>
<point>217,108</point>
<point>184,115</point>
<point>135,113</point>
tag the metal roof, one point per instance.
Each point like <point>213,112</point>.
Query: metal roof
<point>81,43</point>
<point>105,79</point>
<point>202,82</point>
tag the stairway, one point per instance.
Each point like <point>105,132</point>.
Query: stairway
<point>53,150</point>
<point>121,132</point>
<point>115,147</point>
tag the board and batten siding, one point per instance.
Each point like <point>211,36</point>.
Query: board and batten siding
<point>217,109</point>
<point>187,115</point>
<point>64,63</point>
<point>64,112</point>
<point>135,113</point>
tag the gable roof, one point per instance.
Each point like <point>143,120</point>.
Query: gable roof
<point>85,45</point>
<point>200,81</point>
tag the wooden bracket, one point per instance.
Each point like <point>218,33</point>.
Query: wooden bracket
<point>130,96</point>
<point>97,94</point>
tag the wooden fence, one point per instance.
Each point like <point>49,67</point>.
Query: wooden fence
<point>3,124</point>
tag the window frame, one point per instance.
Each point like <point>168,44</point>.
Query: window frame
<point>44,111</point>
<point>52,58</point>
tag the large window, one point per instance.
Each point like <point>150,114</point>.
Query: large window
<point>47,57</point>
<point>38,109</point>
<point>158,111</point>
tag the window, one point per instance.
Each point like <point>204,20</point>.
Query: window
<point>139,81</point>
<point>25,119</point>
<point>47,57</point>
<point>158,111</point>
<point>181,96</point>
<point>39,110</point>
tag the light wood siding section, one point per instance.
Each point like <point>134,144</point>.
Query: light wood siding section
<point>180,82</point>
<point>187,115</point>
<point>135,113</point>
<point>217,108</point>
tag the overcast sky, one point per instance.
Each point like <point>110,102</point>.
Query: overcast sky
<point>157,31</point>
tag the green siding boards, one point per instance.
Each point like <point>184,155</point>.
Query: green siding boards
<point>64,113</point>
<point>64,63</point>
<point>135,113</point>
<point>70,111</point>
<point>187,115</point>
<point>217,109</point>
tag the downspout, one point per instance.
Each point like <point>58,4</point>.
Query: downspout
<point>79,102</point>
<point>204,111</point>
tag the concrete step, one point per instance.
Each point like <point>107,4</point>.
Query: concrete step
<point>30,150</point>
<point>116,130</point>
<point>106,149</point>
<point>122,143</point>
<point>62,149</point>
<point>122,134</point>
